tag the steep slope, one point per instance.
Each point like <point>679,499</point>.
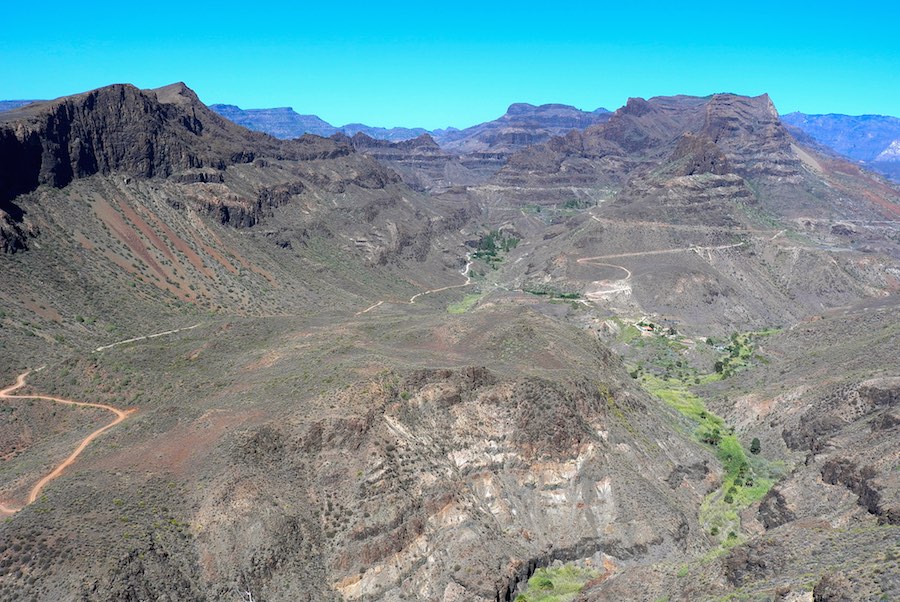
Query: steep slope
<point>873,140</point>
<point>152,206</point>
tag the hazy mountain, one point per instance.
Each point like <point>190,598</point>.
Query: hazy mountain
<point>396,134</point>
<point>282,122</point>
<point>285,123</point>
<point>522,125</point>
<point>8,105</point>
<point>873,140</point>
<point>661,349</point>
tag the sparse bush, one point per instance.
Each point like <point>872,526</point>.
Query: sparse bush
<point>755,446</point>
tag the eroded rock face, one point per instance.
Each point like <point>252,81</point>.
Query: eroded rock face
<point>863,481</point>
<point>752,561</point>
<point>774,510</point>
<point>13,233</point>
<point>753,138</point>
<point>833,587</point>
<point>453,481</point>
<point>696,155</point>
<point>141,133</point>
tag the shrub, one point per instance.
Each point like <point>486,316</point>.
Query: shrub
<point>755,446</point>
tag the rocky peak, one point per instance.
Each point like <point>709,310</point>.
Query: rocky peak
<point>637,107</point>
<point>749,131</point>
<point>120,128</point>
<point>177,93</point>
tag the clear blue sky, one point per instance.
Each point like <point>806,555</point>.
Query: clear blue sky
<point>434,64</point>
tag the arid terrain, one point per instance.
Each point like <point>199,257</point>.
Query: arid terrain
<point>646,355</point>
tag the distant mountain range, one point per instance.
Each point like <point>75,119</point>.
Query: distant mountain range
<point>873,140</point>
<point>9,105</point>
<point>286,123</point>
<point>523,124</point>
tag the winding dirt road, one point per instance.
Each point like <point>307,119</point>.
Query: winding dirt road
<point>465,273</point>
<point>618,286</point>
<point>412,300</point>
<point>39,486</point>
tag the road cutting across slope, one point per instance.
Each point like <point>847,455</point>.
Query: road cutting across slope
<point>465,273</point>
<point>148,336</point>
<point>60,468</point>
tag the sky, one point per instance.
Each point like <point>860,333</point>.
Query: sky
<point>457,63</point>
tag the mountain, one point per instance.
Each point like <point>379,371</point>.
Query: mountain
<point>285,123</point>
<point>9,105</point>
<point>873,140</point>
<point>656,358</point>
<point>281,122</point>
<point>673,172</point>
<point>522,125</point>
<point>422,164</point>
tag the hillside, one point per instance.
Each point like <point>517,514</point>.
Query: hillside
<point>651,357</point>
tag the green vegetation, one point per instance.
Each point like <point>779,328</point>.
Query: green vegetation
<point>744,482</point>
<point>464,305</point>
<point>559,584</point>
<point>576,204</point>
<point>545,290</point>
<point>493,244</point>
<point>738,352</point>
<point>755,446</point>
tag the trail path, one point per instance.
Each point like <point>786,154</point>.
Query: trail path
<point>621,285</point>
<point>368,309</point>
<point>695,248</point>
<point>39,486</point>
<point>149,336</point>
<point>468,281</point>
<point>412,300</point>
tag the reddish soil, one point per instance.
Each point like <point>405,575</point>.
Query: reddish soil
<point>39,486</point>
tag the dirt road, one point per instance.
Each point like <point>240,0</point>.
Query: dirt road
<point>465,273</point>
<point>149,336</point>
<point>39,486</point>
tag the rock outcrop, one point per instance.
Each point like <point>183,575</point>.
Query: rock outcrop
<point>140,133</point>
